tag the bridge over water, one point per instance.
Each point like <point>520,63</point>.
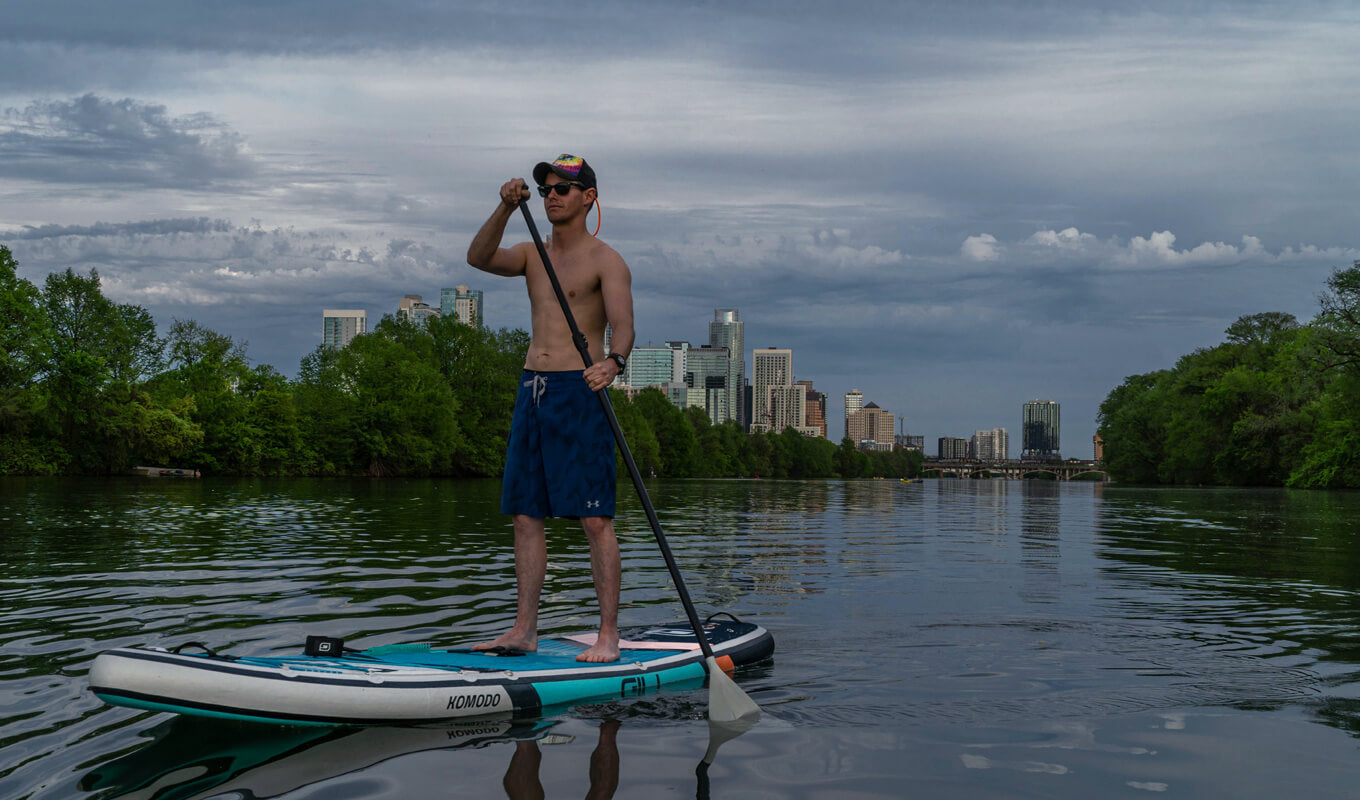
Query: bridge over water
<point>1015,470</point>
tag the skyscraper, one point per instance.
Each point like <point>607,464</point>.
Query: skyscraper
<point>463,302</point>
<point>706,374</point>
<point>339,326</point>
<point>413,308</point>
<point>772,369</point>
<point>1040,430</point>
<point>728,331</point>
<point>816,407</point>
<point>952,448</point>
<point>871,428</point>
<point>656,366</point>
<point>992,445</point>
<point>854,401</point>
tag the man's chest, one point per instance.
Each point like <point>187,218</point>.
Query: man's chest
<point>579,282</point>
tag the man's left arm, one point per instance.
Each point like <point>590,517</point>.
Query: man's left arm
<point>616,288</point>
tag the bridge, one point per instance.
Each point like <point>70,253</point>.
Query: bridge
<point>1015,470</point>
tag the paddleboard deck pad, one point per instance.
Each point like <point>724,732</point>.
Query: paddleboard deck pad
<point>414,684</point>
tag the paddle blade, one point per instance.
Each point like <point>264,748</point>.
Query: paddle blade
<point>720,733</point>
<point>726,701</point>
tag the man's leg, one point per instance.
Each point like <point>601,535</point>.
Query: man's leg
<point>531,564</point>
<point>606,568</point>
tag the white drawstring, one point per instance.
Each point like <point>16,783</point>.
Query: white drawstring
<point>540,386</point>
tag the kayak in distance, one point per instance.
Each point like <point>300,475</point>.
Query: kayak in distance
<point>328,684</point>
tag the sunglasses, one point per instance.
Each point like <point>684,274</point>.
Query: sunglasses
<point>563,188</point>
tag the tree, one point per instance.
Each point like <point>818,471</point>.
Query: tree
<point>674,436</point>
<point>1132,423</point>
<point>641,441</point>
<point>23,327</point>
<point>1338,324</point>
<point>96,351</point>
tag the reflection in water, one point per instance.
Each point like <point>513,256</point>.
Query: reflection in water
<point>1267,579</point>
<point>521,777</point>
<point>984,638</point>
<point>196,759</point>
<point>193,757</point>
<point>1040,517</point>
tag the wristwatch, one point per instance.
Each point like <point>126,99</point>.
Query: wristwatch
<point>621,360</point>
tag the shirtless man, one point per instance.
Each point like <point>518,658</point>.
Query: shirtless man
<point>560,456</point>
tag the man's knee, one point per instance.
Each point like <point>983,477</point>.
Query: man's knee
<point>526,524</point>
<point>597,526</point>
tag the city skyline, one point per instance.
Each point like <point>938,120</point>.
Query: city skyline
<point>952,207</point>
<point>676,363</point>
<point>666,365</point>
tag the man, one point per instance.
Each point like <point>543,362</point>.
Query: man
<point>560,457</point>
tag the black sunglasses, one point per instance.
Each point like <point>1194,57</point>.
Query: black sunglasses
<point>563,188</point>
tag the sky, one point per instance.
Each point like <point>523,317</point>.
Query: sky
<point>952,207</point>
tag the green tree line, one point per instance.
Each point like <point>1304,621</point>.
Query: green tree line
<point>90,387</point>
<point>1276,404</point>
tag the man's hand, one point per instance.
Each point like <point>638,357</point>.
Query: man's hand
<point>485,251</point>
<point>513,191</point>
<point>602,374</point>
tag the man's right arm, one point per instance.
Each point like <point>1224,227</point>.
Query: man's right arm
<point>485,252</point>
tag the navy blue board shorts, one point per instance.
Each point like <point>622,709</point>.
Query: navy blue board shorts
<point>560,458</point>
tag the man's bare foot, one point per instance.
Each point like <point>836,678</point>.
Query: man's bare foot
<point>511,640</point>
<point>602,652</point>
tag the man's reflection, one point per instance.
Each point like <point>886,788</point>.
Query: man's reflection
<point>521,777</point>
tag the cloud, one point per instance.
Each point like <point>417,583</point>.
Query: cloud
<point>93,140</point>
<point>1071,249</point>
<point>154,227</point>
<point>1067,239</point>
<point>980,248</point>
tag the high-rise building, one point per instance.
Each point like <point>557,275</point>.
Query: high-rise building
<point>952,448</point>
<point>854,401</point>
<point>787,406</point>
<point>871,428</point>
<point>772,367</point>
<point>707,370</point>
<point>462,302</point>
<point>816,408</point>
<point>655,366</point>
<point>906,441</point>
<point>727,331</point>
<point>1040,431</point>
<point>413,308</point>
<point>992,445</point>
<point>339,326</point>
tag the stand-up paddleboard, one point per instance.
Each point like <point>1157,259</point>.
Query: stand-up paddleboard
<point>407,684</point>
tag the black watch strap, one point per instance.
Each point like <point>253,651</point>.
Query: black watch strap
<point>621,360</point>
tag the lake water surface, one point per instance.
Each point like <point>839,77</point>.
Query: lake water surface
<point>947,639</point>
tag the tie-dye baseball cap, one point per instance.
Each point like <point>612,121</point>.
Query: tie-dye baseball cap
<point>567,167</point>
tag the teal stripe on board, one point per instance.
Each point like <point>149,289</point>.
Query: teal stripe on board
<point>563,692</point>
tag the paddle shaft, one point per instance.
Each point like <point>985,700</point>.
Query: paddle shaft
<point>579,339</point>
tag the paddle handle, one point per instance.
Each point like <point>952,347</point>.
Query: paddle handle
<point>579,339</point>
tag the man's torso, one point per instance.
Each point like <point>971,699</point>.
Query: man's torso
<point>551,348</point>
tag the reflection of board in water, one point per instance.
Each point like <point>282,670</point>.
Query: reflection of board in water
<point>193,758</point>
<point>413,684</point>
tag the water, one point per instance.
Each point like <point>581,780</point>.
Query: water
<point>951,639</point>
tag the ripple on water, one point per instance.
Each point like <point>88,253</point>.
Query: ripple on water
<point>1022,612</point>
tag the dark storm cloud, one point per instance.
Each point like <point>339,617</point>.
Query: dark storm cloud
<point>152,227</point>
<point>93,140</point>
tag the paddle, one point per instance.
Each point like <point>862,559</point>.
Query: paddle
<point>726,701</point>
